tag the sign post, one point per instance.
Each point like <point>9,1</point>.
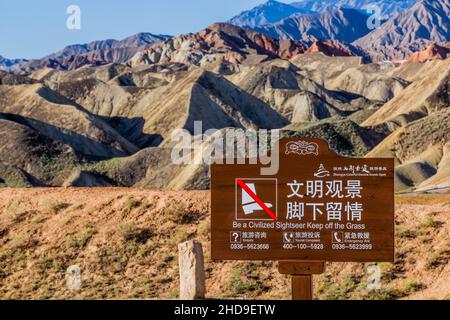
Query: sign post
<point>302,276</point>
<point>318,207</point>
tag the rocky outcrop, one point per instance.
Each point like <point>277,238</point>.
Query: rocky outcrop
<point>330,48</point>
<point>192,270</point>
<point>433,52</point>
<point>289,48</point>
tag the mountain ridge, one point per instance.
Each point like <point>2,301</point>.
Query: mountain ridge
<point>95,53</point>
<point>6,63</point>
<point>346,24</point>
<point>269,12</point>
<point>388,8</point>
<point>219,43</point>
<point>341,24</point>
<point>428,21</point>
<point>272,11</point>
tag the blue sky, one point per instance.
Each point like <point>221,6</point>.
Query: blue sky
<point>35,28</point>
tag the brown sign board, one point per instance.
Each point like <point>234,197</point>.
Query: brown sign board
<point>318,207</point>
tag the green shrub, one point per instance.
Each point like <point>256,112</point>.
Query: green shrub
<point>178,212</point>
<point>132,203</point>
<point>440,258</point>
<point>428,222</point>
<point>56,206</point>
<point>384,294</point>
<point>412,285</point>
<point>81,239</point>
<point>238,285</point>
<point>129,231</point>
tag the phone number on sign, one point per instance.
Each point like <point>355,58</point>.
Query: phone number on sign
<point>250,246</point>
<point>357,246</point>
<point>304,246</point>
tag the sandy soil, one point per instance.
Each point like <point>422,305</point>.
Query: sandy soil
<point>125,242</point>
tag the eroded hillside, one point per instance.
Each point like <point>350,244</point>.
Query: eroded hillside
<point>90,125</point>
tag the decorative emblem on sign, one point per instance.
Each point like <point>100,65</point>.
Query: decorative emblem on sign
<point>302,148</point>
<point>322,172</point>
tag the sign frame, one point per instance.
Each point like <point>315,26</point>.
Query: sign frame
<point>309,152</point>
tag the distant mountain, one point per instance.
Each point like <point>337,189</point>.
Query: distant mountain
<point>388,7</point>
<point>219,43</point>
<point>5,63</point>
<point>135,41</point>
<point>273,11</point>
<point>140,39</point>
<point>268,12</point>
<point>94,53</point>
<point>413,30</point>
<point>338,24</point>
<point>56,126</point>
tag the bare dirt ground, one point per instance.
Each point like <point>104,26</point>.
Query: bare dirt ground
<point>125,242</point>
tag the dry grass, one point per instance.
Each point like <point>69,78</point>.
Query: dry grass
<point>423,199</point>
<point>125,242</point>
